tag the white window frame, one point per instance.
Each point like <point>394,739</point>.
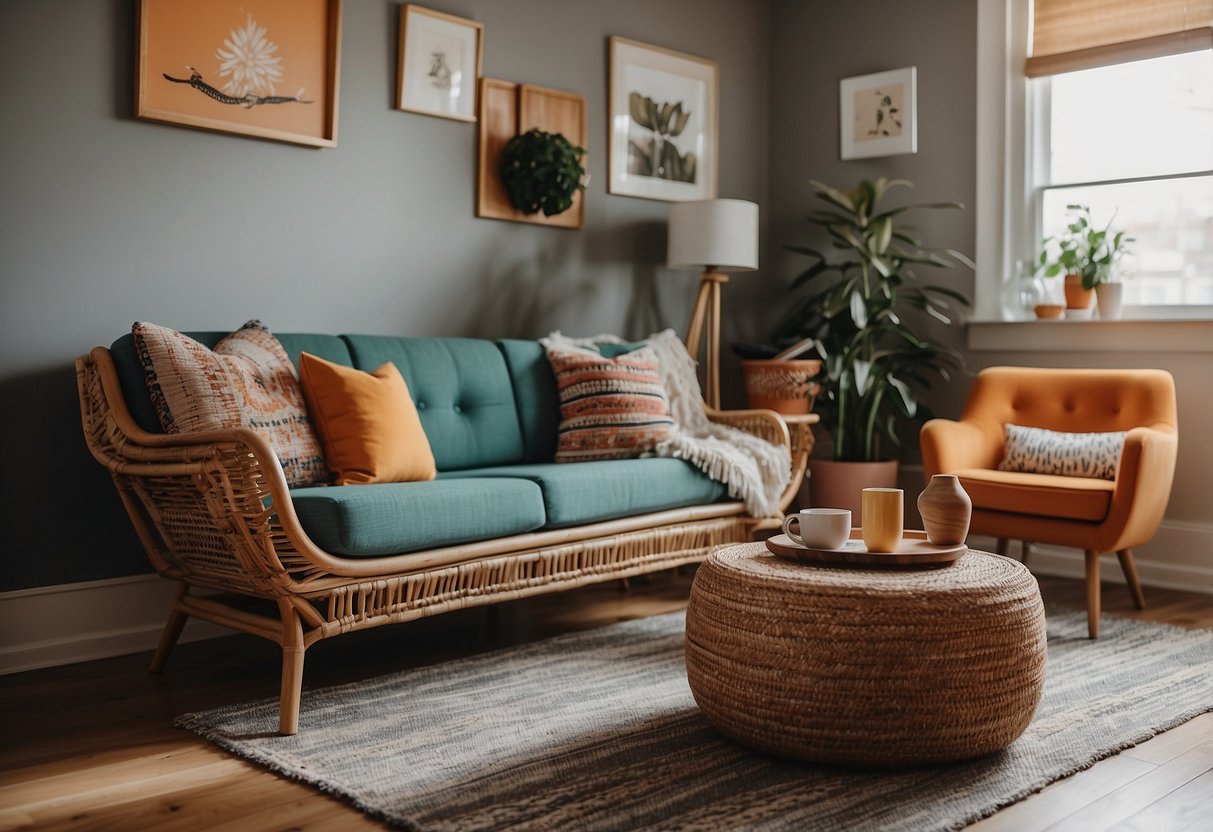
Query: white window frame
<point>1009,201</point>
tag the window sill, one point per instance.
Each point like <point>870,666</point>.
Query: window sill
<point>1186,336</point>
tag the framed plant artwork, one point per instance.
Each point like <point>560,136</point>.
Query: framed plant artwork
<point>664,136</point>
<point>879,114</point>
<point>263,68</point>
<point>439,63</point>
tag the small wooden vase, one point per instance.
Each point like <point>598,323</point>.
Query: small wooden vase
<point>946,510</point>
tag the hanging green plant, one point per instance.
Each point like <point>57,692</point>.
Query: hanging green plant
<point>542,172</point>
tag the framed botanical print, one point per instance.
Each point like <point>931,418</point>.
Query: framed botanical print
<point>263,68</point>
<point>879,114</point>
<point>664,136</point>
<point>439,63</point>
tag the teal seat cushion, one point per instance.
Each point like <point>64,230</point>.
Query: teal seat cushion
<point>588,492</point>
<point>536,395</point>
<point>134,385</point>
<point>390,518</point>
<point>462,391</point>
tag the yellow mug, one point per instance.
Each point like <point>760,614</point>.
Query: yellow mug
<point>883,518</point>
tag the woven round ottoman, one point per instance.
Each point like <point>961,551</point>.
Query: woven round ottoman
<point>863,666</point>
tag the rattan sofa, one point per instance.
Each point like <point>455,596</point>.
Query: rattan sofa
<point>213,511</point>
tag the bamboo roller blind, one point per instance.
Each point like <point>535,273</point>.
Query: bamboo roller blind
<point>1082,34</point>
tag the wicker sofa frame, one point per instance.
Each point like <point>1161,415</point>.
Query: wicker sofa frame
<point>212,511</point>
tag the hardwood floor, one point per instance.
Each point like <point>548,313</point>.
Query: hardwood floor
<point>91,746</point>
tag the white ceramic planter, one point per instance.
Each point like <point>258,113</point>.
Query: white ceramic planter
<point>1109,298</point>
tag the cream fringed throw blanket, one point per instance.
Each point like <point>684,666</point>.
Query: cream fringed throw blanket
<point>754,470</point>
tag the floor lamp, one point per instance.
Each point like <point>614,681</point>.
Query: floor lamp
<point>712,237</point>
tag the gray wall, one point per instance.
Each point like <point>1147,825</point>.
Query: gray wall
<point>815,44</point>
<point>107,220</point>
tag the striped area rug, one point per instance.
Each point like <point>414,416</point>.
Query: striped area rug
<point>598,730</point>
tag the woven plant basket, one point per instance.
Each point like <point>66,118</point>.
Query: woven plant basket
<point>865,667</point>
<point>783,386</point>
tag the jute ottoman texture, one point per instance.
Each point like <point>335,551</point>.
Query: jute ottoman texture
<point>865,667</point>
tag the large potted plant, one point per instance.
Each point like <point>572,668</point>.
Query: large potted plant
<point>1086,256</point>
<point>874,356</point>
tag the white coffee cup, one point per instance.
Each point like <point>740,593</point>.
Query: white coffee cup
<point>819,528</point>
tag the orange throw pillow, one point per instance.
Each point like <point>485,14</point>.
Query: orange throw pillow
<point>367,423</point>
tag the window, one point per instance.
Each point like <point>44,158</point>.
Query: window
<point>1134,141</point>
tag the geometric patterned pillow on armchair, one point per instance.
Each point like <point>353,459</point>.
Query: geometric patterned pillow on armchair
<point>1040,451</point>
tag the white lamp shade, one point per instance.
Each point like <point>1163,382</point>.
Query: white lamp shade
<point>718,232</point>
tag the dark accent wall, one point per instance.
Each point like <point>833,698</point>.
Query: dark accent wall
<point>107,220</point>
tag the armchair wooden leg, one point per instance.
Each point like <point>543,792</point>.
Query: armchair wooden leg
<point>1130,569</point>
<point>1092,593</point>
<point>1001,546</point>
<point>292,669</point>
<point>172,631</point>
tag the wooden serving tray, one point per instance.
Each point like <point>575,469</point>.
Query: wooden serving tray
<point>914,550</point>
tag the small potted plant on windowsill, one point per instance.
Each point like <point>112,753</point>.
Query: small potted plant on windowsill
<point>1086,255</point>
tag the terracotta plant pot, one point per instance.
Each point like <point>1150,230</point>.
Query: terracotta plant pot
<point>946,510</point>
<point>841,484</point>
<point>782,386</point>
<point>1076,296</point>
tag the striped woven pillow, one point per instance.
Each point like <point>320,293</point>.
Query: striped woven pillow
<point>610,408</point>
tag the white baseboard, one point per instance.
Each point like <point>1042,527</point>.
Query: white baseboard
<point>56,625</point>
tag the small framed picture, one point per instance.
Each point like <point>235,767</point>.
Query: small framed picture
<point>263,68</point>
<point>879,114</point>
<point>439,63</point>
<point>664,139</point>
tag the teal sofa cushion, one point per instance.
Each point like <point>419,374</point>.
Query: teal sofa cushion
<point>463,394</point>
<point>588,492</point>
<point>389,518</point>
<point>134,386</point>
<point>535,393</point>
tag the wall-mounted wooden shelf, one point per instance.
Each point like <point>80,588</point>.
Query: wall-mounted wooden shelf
<point>507,109</point>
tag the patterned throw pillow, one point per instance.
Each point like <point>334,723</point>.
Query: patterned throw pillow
<point>247,380</point>
<point>610,408</point>
<point>1040,451</point>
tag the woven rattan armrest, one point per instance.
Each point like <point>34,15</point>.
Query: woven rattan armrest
<point>792,432</point>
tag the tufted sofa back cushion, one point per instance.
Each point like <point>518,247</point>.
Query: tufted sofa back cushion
<point>535,391</point>
<point>462,391</point>
<point>1074,401</point>
<point>134,386</point>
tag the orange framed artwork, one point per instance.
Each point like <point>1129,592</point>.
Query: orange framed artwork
<point>263,68</point>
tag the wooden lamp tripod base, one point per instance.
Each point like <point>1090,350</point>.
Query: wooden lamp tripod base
<point>707,309</point>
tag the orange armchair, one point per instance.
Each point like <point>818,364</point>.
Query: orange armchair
<point>1097,516</point>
